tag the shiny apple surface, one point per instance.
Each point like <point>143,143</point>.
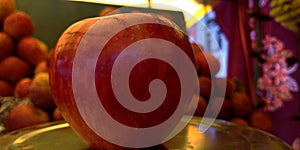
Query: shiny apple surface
<point>124,80</point>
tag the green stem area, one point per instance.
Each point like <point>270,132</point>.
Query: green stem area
<point>258,46</point>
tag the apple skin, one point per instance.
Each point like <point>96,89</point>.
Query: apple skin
<point>220,88</point>
<point>6,89</point>
<point>201,107</point>
<point>6,45</point>
<point>6,7</point>
<point>261,120</point>
<point>41,67</point>
<point>61,64</point>
<point>109,10</point>
<point>40,91</point>
<point>13,69</point>
<point>18,25</point>
<point>241,104</point>
<point>22,88</point>
<point>205,84</point>
<point>32,50</point>
<point>207,64</point>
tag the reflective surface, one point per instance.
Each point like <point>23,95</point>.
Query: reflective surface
<point>222,135</point>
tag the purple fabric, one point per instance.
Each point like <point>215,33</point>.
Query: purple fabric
<point>228,19</point>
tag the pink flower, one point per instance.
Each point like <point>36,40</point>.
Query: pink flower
<point>252,23</point>
<point>275,80</point>
<point>279,46</point>
<point>277,102</point>
<point>253,35</point>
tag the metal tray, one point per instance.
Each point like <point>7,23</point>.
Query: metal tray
<point>221,135</point>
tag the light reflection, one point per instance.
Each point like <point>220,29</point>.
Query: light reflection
<point>192,10</point>
<point>195,137</point>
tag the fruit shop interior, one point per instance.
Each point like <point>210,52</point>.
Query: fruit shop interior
<point>251,46</point>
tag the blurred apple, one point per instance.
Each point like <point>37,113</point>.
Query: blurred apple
<point>205,85</point>
<point>226,109</point>
<point>224,86</point>
<point>22,88</point>
<point>6,89</point>
<point>241,104</point>
<point>199,108</point>
<point>261,121</point>
<point>56,115</point>
<point>40,91</point>
<point>18,25</point>
<point>25,115</point>
<point>109,10</point>
<point>13,69</point>
<point>32,50</point>
<point>6,45</point>
<point>197,48</point>
<point>6,7</point>
<point>41,67</point>
<point>208,65</point>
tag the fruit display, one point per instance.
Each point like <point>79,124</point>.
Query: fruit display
<point>237,106</point>
<point>6,8</point>
<point>6,45</point>
<point>71,80</point>
<point>25,95</point>
<point>18,25</point>
<point>24,115</point>
<point>27,81</point>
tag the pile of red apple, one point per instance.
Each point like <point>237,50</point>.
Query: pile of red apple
<point>25,95</point>
<point>237,106</point>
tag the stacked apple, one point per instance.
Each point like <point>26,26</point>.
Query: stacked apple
<point>237,107</point>
<point>23,71</point>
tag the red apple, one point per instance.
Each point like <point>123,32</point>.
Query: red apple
<point>40,91</point>
<point>25,115</point>
<point>6,45</point>
<point>208,65</point>
<point>226,109</point>
<point>6,89</point>
<point>261,121</point>
<point>197,48</point>
<point>241,104</point>
<point>41,67</point>
<point>22,88</point>
<point>205,85</point>
<point>56,115</point>
<point>32,50</point>
<point>13,69</point>
<point>109,10</point>
<point>81,111</point>
<point>18,25</point>
<point>201,107</point>
<point>6,7</point>
<point>224,87</point>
